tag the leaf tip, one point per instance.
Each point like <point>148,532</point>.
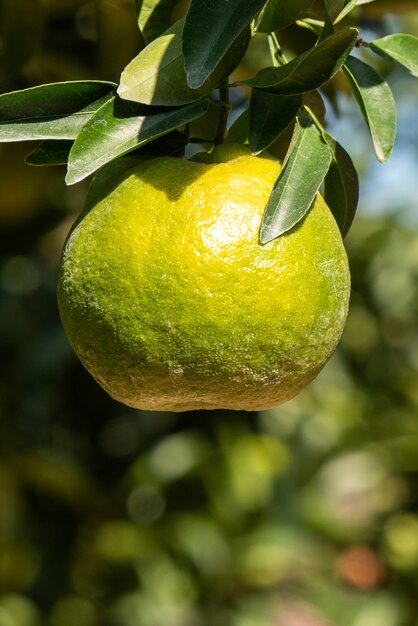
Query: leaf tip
<point>71,178</point>
<point>263,239</point>
<point>383,155</point>
<point>122,90</point>
<point>266,233</point>
<point>195,78</point>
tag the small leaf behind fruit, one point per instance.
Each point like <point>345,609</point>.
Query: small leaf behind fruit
<point>55,111</point>
<point>50,152</point>
<point>209,30</point>
<point>238,131</point>
<point>303,171</point>
<point>309,70</point>
<point>118,128</point>
<point>401,48</point>
<point>270,114</point>
<point>341,190</point>
<point>376,102</point>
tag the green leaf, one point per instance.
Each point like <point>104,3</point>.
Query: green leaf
<point>294,191</point>
<point>157,76</point>
<point>118,128</point>
<point>327,30</point>
<point>55,111</point>
<point>173,143</point>
<point>341,189</point>
<point>154,17</point>
<point>309,70</point>
<point>401,48</point>
<point>20,30</point>
<point>270,114</point>
<point>50,152</point>
<point>210,28</point>
<point>314,101</point>
<point>203,129</point>
<point>282,13</point>
<point>238,131</point>
<point>376,102</point>
<point>334,8</point>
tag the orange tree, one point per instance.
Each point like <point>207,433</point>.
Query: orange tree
<point>177,92</point>
<point>305,515</point>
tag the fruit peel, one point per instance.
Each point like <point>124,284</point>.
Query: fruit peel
<point>172,304</point>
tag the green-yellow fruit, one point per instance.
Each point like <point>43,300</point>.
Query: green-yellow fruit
<point>172,304</point>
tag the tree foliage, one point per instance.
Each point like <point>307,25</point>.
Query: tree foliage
<point>184,58</point>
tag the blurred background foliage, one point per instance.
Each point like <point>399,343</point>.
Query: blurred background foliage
<point>304,515</point>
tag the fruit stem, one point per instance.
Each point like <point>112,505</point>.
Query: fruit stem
<point>225,108</point>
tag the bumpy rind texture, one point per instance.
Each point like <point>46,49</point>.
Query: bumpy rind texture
<point>172,304</point>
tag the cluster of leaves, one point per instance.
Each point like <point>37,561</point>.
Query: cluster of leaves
<point>170,83</point>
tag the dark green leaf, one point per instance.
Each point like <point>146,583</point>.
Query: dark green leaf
<point>118,128</point>
<point>210,28</point>
<point>154,17</point>
<point>334,8</point>
<point>314,101</point>
<point>55,111</point>
<point>204,128</point>
<point>328,29</point>
<point>170,144</point>
<point>401,48</point>
<point>282,13</point>
<point>341,190</point>
<point>280,147</point>
<point>50,152</point>
<point>239,130</point>
<point>20,24</point>
<point>270,114</point>
<point>157,76</point>
<point>294,191</point>
<point>376,102</point>
<point>311,69</point>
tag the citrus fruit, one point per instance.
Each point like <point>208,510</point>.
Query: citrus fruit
<point>171,303</point>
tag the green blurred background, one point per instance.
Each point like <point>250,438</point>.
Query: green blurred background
<point>305,515</point>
